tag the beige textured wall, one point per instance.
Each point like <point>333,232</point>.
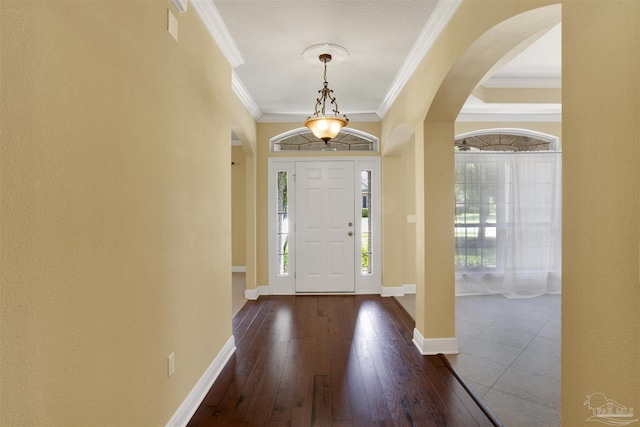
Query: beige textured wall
<point>409,194</point>
<point>601,200</point>
<point>115,216</point>
<point>246,128</point>
<point>439,214</point>
<point>393,219</point>
<point>399,235</point>
<point>238,207</point>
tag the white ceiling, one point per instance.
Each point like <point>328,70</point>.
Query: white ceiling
<point>385,39</point>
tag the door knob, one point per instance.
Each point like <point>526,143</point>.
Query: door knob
<point>351,233</point>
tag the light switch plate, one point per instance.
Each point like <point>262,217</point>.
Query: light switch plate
<point>172,24</point>
<point>171,364</point>
<point>181,5</point>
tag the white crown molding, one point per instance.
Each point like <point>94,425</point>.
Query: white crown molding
<point>440,17</point>
<point>244,96</point>
<point>220,34</point>
<point>218,30</point>
<point>432,346</point>
<point>189,406</point>
<point>295,118</point>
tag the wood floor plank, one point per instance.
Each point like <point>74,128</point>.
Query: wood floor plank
<point>261,402</point>
<point>333,361</point>
<point>457,400</point>
<point>321,410</point>
<point>302,404</point>
<point>340,399</point>
<point>360,409</point>
<point>283,405</point>
<point>372,386</point>
<point>397,352</point>
<point>441,409</point>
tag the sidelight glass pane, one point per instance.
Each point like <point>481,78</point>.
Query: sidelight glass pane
<point>365,222</point>
<point>282,227</point>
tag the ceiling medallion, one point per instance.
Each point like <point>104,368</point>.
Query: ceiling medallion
<point>337,52</point>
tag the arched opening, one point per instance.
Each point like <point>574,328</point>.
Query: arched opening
<point>437,304</point>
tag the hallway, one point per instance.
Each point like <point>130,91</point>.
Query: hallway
<point>333,360</point>
<point>509,353</point>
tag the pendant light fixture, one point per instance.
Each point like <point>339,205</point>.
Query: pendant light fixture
<point>326,127</point>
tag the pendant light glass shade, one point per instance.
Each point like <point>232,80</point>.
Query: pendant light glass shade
<point>324,127</point>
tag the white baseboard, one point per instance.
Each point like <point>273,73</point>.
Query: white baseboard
<point>397,291</point>
<point>409,289</point>
<point>239,269</point>
<point>200,390</point>
<point>253,294</point>
<point>388,291</point>
<point>385,291</point>
<point>431,346</point>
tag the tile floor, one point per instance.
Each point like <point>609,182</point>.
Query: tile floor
<point>509,353</point>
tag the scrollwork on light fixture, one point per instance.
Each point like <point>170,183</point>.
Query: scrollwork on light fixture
<point>324,127</point>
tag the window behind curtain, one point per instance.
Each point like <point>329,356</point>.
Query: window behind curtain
<point>478,194</point>
<point>508,223</point>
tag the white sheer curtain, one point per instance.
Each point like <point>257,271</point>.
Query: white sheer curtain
<point>508,223</point>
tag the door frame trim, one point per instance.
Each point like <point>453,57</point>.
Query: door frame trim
<point>285,284</point>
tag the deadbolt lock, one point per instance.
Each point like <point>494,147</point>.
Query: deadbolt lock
<point>350,224</point>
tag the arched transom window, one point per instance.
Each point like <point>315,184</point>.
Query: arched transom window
<point>303,140</point>
<point>505,140</point>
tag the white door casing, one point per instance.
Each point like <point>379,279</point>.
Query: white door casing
<point>325,226</point>
<point>284,282</point>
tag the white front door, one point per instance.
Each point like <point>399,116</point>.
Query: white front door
<point>325,232</point>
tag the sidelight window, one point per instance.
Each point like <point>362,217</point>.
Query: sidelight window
<point>282,226</point>
<point>365,222</point>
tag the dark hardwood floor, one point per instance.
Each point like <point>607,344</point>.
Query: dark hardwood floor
<point>334,361</point>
